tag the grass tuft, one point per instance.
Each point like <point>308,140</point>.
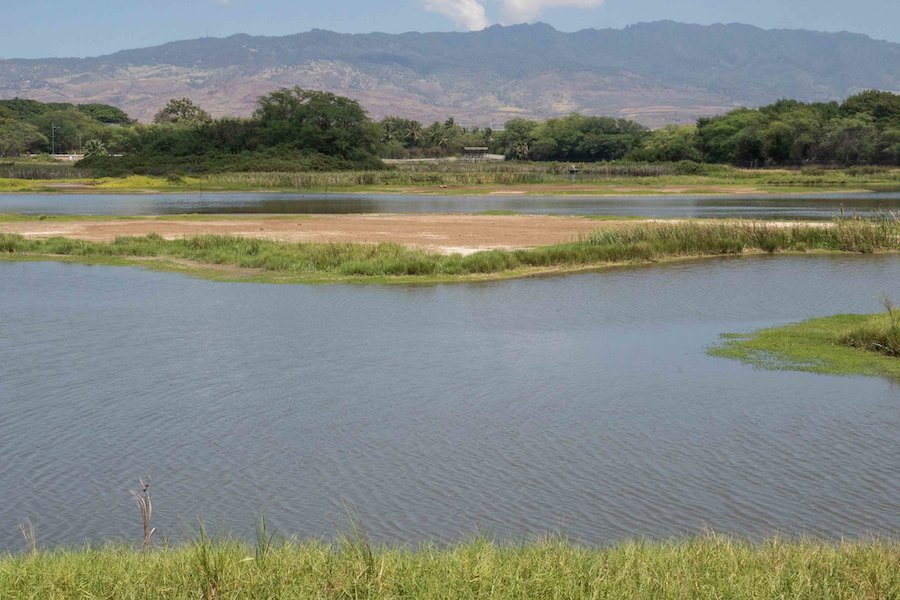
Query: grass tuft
<point>881,336</point>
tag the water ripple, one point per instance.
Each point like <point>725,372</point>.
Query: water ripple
<point>581,405</point>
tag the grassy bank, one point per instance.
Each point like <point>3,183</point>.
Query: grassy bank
<point>837,345</point>
<point>261,260</point>
<point>454,177</point>
<point>709,567</point>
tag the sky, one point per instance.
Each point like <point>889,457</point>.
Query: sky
<point>52,28</point>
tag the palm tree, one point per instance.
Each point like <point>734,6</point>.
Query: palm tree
<point>415,133</point>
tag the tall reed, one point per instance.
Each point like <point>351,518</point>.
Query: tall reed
<point>145,506</point>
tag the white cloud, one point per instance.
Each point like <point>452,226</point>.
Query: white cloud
<point>472,14</point>
<point>466,13</point>
<point>519,11</point>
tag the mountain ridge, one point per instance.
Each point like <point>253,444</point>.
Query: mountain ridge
<point>656,72</point>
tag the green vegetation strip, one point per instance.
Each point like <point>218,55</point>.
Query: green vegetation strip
<point>464,178</point>
<point>837,345</point>
<point>317,262</point>
<point>520,173</point>
<point>709,567</point>
<point>458,177</point>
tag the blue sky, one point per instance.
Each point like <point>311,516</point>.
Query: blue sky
<point>43,28</point>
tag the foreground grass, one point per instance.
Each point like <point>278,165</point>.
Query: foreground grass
<point>709,567</point>
<point>837,345</point>
<point>264,260</point>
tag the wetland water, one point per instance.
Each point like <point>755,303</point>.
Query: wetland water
<point>797,207</point>
<point>582,404</point>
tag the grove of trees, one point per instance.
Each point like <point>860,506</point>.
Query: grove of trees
<point>865,129</point>
<point>31,126</point>
<point>292,129</point>
<point>407,138</point>
<point>571,138</point>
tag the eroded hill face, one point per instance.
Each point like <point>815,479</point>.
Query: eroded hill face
<point>657,73</point>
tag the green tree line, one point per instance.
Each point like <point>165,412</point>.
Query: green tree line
<point>298,129</point>
<point>865,129</point>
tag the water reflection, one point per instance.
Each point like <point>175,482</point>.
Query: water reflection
<point>798,207</point>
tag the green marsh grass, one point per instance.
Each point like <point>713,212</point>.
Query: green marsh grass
<point>836,345</point>
<point>627,243</point>
<point>701,568</point>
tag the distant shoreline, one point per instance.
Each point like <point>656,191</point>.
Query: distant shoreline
<point>146,185</point>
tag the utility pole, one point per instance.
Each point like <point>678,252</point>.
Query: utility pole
<point>53,139</point>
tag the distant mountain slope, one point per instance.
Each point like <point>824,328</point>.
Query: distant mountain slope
<point>656,72</point>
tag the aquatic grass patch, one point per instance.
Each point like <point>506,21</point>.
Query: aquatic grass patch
<point>627,243</point>
<point>705,567</point>
<point>835,345</point>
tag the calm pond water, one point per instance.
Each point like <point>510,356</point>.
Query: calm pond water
<point>583,405</point>
<point>805,207</point>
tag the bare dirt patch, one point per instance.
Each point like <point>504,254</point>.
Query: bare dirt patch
<point>441,233</point>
